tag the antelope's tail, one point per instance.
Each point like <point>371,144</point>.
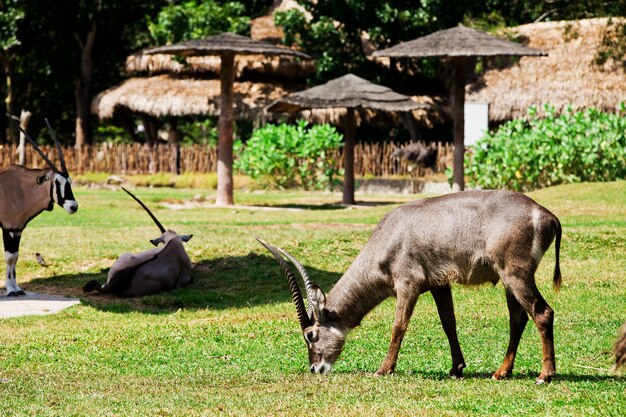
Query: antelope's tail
<point>94,285</point>
<point>556,280</point>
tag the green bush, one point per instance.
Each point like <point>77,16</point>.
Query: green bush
<point>526,154</point>
<point>287,156</point>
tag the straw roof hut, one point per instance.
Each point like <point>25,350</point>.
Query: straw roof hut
<point>353,94</point>
<point>172,95</point>
<point>566,77</point>
<point>458,45</point>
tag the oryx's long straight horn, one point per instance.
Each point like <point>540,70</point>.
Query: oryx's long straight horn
<point>158,223</point>
<point>303,317</point>
<point>57,144</point>
<point>32,141</point>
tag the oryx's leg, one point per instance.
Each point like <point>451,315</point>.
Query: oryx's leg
<point>11,249</point>
<point>445,308</point>
<point>404,308</point>
<point>517,322</point>
<point>522,286</point>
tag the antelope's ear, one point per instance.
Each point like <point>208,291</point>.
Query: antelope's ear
<point>185,238</point>
<point>318,299</point>
<point>156,241</point>
<point>45,178</point>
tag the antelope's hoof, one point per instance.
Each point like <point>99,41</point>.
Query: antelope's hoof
<point>12,294</point>
<point>457,371</point>
<point>543,380</point>
<point>383,372</point>
<point>500,375</point>
<point>20,292</point>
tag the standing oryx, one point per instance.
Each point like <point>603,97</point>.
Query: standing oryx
<point>151,272</point>
<point>26,192</point>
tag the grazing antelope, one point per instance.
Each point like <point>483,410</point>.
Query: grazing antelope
<point>468,238</point>
<point>417,155</point>
<point>24,193</point>
<point>151,272</point>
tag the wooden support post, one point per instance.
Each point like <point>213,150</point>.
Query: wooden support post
<point>226,129</point>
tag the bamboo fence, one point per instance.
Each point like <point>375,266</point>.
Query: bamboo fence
<point>370,159</point>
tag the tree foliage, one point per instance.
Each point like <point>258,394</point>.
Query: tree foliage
<point>197,19</point>
<point>287,155</point>
<point>525,154</point>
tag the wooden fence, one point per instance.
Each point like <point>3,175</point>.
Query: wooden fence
<point>370,159</point>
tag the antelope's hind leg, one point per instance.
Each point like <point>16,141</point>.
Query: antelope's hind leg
<point>517,323</point>
<point>11,253</point>
<point>525,291</point>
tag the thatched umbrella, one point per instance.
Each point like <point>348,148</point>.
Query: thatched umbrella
<point>226,46</point>
<point>574,80</point>
<point>352,93</point>
<point>459,44</point>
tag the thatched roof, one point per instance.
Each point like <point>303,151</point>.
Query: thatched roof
<point>168,95</point>
<point>348,91</point>
<point>284,67</point>
<point>459,41</point>
<point>261,29</point>
<point>566,77</point>
<point>224,43</point>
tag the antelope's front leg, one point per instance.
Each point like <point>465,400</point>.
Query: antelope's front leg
<point>404,309</point>
<point>11,253</point>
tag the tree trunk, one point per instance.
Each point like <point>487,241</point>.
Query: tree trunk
<point>8,101</point>
<point>24,119</point>
<point>151,130</point>
<point>226,128</point>
<point>82,87</point>
<point>458,115</point>
<point>173,139</point>
<point>348,164</point>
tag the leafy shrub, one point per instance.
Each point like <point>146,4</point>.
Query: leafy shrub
<point>526,154</point>
<point>287,156</point>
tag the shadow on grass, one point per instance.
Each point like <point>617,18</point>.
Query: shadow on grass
<point>329,206</point>
<point>241,281</point>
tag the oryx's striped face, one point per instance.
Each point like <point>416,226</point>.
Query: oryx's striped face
<point>62,192</point>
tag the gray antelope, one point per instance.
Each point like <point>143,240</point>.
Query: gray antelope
<point>159,269</point>
<point>468,238</point>
<point>24,193</point>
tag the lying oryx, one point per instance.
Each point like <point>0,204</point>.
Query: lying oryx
<point>153,271</point>
<point>469,238</point>
<point>24,193</point>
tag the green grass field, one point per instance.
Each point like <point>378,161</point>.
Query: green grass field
<point>229,344</point>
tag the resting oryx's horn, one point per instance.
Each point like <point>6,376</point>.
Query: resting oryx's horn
<point>32,141</point>
<point>305,277</point>
<point>303,317</point>
<point>158,223</point>
<point>58,146</point>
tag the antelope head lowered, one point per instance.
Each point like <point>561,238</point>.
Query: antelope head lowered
<point>468,238</point>
<point>24,193</point>
<point>159,269</point>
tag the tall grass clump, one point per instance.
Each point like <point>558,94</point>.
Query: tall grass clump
<point>284,156</point>
<point>536,152</point>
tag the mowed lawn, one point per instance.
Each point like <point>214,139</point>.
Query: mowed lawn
<point>229,344</point>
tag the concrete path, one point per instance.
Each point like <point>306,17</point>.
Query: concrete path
<point>34,304</point>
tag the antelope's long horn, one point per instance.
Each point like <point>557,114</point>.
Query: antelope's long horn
<point>31,140</point>
<point>305,277</point>
<point>58,145</point>
<point>303,317</point>
<point>158,223</point>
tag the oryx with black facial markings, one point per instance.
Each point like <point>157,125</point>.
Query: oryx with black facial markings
<point>26,192</point>
<point>156,270</point>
